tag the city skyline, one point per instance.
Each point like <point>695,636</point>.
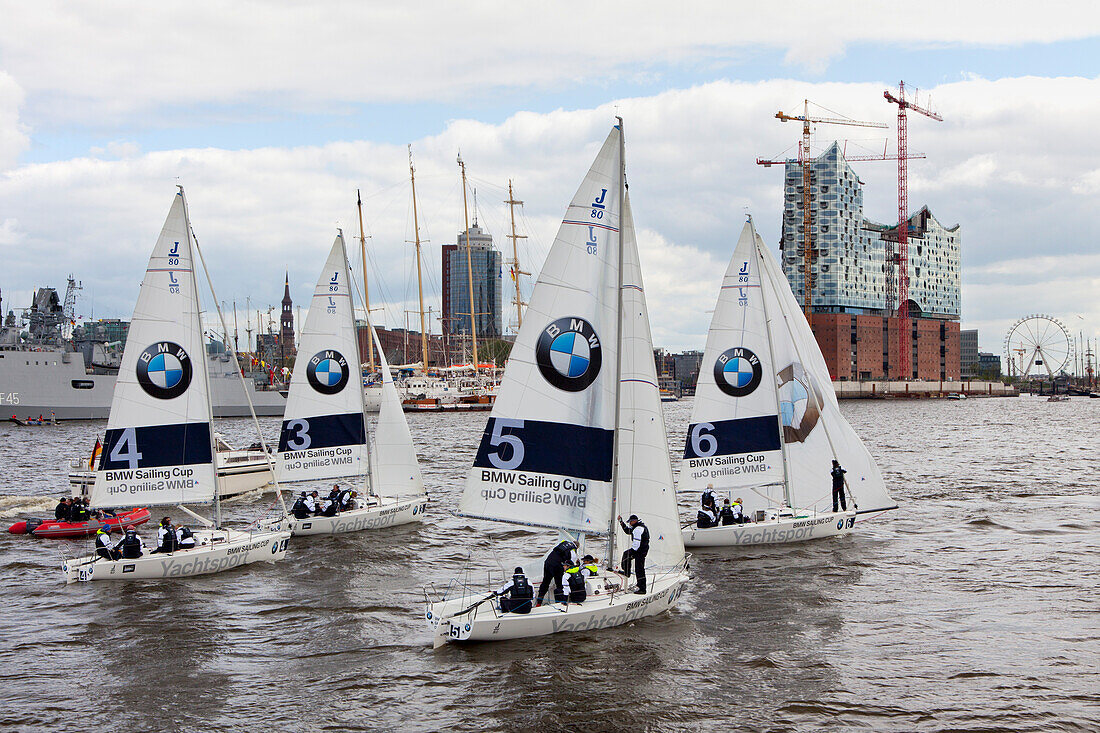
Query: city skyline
<point>272,150</point>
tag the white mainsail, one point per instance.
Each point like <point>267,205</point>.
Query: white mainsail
<point>814,429</point>
<point>324,431</point>
<point>396,470</point>
<point>644,484</point>
<point>545,458</point>
<point>158,449</point>
<point>733,440</point>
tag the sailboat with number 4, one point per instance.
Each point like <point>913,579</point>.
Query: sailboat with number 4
<point>576,436</point>
<point>159,449</point>
<point>766,426</point>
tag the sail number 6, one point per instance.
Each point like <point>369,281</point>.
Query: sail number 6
<point>498,459</point>
<point>703,443</point>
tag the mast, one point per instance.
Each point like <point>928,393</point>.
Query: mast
<point>367,488</point>
<point>618,375</point>
<point>236,335</point>
<point>205,366</point>
<point>419,275</point>
<point>516,272</point>
<point>771,358</point>
<point>469,267</point>
<point>366,290</point>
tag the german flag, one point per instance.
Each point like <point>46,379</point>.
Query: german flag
<point>95,455</point>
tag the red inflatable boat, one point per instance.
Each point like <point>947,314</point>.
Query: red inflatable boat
<point>59,529</point>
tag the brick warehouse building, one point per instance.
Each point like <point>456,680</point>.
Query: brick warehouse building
<point>855,278</point>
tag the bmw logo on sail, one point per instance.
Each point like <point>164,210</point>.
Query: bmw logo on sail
<point>737,371</point>
<point>569,354</point>
<point>164,370</point>
<point>327,372</point>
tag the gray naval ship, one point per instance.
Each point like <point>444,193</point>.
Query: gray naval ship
<point>46,370</point>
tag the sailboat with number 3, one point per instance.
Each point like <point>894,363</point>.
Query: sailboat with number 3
<point>766,426</point>
<point>576,436</point>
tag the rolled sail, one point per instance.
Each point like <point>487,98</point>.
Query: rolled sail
<point>324,432</point>
<point>158,447</point>
<point>545,458</point>
<point>733,440</point>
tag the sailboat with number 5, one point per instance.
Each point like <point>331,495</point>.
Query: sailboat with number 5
<point>159,449</point>
<point>766,430</point>
<point>577,436</point>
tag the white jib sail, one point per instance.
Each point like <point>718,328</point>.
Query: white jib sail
<point>158,448</point>
<point>396,471</point>
<point>545,458</point>
<point>733,440</point>
<point>324,432</point>
<point>645,486</point>
<point>814,429</point>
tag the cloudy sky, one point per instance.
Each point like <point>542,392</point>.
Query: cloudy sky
<point>272,114</point>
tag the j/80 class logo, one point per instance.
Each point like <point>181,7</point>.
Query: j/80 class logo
<point>569,354</point>
<point>737,371</point>
<point>327,372</point>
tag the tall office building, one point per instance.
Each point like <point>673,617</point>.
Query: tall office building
<point>854,273</point>
<point>968,352</point>
<point>486,265</point>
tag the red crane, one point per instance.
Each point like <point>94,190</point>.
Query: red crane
<point>905,343</point>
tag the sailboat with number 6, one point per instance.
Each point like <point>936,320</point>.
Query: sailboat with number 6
<point>766,430</point>
<point>159,447</point>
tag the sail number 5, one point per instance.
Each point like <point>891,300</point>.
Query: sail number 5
<point>501,458</point>
<point>703,443</point>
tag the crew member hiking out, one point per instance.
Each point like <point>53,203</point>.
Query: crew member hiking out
<point>838,486</point>
<point>564,555</point>
<point>639,548</point>
<point>517,594</point>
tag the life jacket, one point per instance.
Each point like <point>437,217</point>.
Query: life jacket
<point>726,515</point>
<point>102,539</point>
<point>563,551</point>
<point>593,570</point>
<point>185,534</point>
<point>521,589</point>
<point>708,498</point>
<point>131,546</point>
<point>838,477</point>
<point>78,513</point>
<point>576,580</point>
<point>705,518</point>
<point>643,546</point>
<point>343,499</point>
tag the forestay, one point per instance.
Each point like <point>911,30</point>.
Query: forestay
<point>644,481</point>
<point>158,447</point>
<point>545,458</point>
<point>733,441</point>
<point>814,428</point>
<point>324,431</point>
<point>396,471</point>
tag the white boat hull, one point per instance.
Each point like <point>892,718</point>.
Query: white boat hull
<point>607,609</point>
<point>238,473</point>
<point>388,513</point>
<point>217,551</point>
<point>778,531</point>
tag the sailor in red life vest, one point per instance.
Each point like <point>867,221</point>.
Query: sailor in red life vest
<point>639,548</point>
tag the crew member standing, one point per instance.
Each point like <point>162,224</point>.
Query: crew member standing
<point>838,486</point>
<point>639,548</point>
<point>553,568</point>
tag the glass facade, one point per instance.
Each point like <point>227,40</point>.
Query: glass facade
<point>852,270</point>
<point>486,265</point>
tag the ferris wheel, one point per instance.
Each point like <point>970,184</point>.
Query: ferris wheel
<point>1038,345</point>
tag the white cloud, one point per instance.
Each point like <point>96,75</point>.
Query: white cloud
<point>13,135</point>
<point>107,60</point>
<point>1022,143</point>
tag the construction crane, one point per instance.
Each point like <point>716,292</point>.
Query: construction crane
<point>904,329</point>
<point>806,161</point>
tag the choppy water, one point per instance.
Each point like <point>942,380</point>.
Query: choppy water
<point>973,607</point>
